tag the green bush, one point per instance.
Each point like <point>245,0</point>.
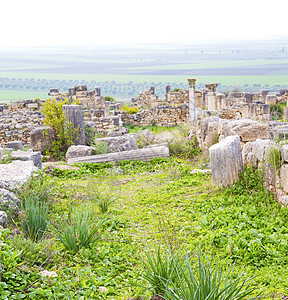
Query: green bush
<point>78,230</point>
<point>276,111</point>
<point>100,147</point>
<point>110,99</point>
<point>64,132</point>
<point>130,110</point>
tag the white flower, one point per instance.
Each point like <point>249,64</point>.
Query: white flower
<point>46,273</point>
<point>103,289</point>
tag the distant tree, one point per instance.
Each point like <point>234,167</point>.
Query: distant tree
<point>110,99</point>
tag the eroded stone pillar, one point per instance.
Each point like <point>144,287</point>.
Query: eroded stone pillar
<point>226,161</point>
<point>75,115</point>
<point>211,95</point>
<point>192,106</point>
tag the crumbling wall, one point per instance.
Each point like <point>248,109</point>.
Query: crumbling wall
<point>159,116</point>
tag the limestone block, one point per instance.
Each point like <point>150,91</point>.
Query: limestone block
<point>284,153</point>
<point>284,178</point>
<point>15,173</point>
<point>28,155</point>
<point>40,141</point>
<point>16,145</point>
<point>79,151</point>
<point>145,154</point>
<point>3,219</point>
<point>226,161</point>
<point>260,148</point>
<point>9,202</point>
<point>119,143</point>
<point>247,129</point>
<point>279,132</point>
<point>271,99</point>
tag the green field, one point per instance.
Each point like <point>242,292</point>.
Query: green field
<point>123,73</point>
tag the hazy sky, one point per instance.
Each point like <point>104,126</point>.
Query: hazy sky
<point>95,22</point>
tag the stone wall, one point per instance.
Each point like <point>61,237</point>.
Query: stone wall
<point>17,125</point>
<point>159,116</point>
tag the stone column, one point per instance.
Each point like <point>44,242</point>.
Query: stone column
<point>192,106</point>
<point>75,115</point>
<point>167,92</point>
<point>211,95</point>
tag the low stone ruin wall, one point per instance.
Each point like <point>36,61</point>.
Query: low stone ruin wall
<point>16,126</point>
<point>159,116</point>
<point>263,145</point>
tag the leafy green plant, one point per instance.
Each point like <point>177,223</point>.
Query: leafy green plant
<point>34,218</point>
<point>130,110</point>
<point>277,111</point>
<point>64,132</point>
<point>275,158</point>
<point>5,157</point>
<point>109,98</point>
<point>100,147</point>
<point>78,230</point>
<point>206,282</point>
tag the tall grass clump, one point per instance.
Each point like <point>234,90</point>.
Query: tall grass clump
<point>102,200</point>
<point>207,282</point>
<point>34,218</point>
<point>182,146</point>
<point>161,269</point>
<point>78,230</point>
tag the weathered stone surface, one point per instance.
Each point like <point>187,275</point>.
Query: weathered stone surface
<point>3,219</point>
<point>40,141</point>
<point>121,143</point>
<point>284,153</point>
<point>226,161</point>
<point>260,148</point>
<point>15,173</point>
<point>145,154</point>
<point>75,115</point>
<point>284,178</point>
<point>16,145</point>
<point>280,132</point>
<point>248,130</point>
<point>79,151</point>
<point>9,202</point>
<point>27,155</point>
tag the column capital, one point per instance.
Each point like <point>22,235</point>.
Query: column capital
<point>211,86</point>
<point>191,82</point>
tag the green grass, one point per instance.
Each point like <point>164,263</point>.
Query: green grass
<point>12,95</point>
<point>155,206</point>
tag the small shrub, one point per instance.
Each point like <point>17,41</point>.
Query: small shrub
<point>100,147</point>
<point>184,148</point>
<point>276,111</point>
<point>64,132</point>
<point>130,110</point>
<point>275,158</point>
<point>78,230</point>
<point>110,99</point>
<point>5,157</point>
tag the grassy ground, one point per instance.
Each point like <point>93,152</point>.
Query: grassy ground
<point>157,203</point>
